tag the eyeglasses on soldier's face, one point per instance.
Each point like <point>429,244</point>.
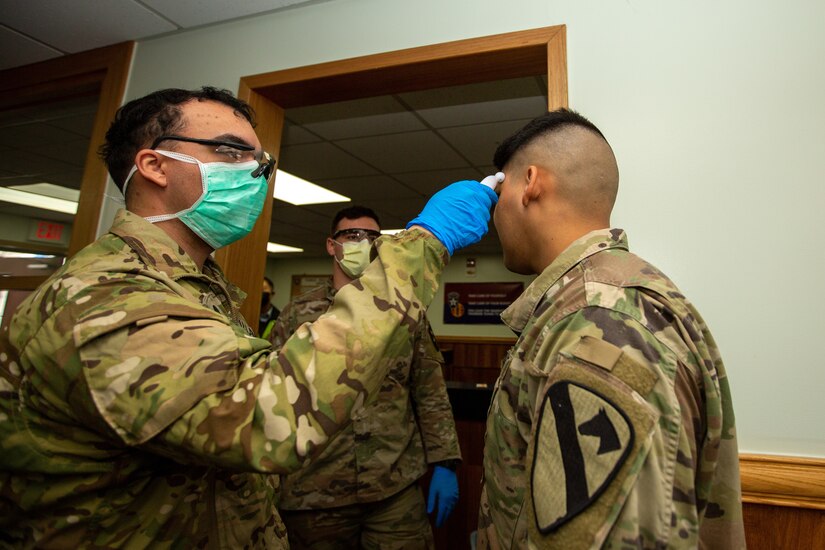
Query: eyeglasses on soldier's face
<point>233,151</point>
<point>355,234</point>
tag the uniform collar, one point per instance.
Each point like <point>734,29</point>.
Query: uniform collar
<point>330,290</point>
<point>157,249</point>
<point>519,312</point>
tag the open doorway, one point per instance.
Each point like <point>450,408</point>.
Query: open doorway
<point>528,55</point>
<point>327,120</point>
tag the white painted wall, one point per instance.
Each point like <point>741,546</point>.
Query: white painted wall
<point>716,111</point>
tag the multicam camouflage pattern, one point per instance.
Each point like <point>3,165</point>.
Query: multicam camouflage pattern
<point>396,523</point>
<point>601,319</point>
<point>302,309</point>
<point>391,439</point>
<point>137,410</point>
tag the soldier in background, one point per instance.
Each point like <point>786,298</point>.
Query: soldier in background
<point>137,409</point>
<point>269,313</point>
<point>362,490</point>
<point>611,424</point>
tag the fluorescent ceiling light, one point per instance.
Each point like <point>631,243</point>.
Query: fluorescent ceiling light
<point>10,254</point>
<point>295,190</point>
<point>16,196</point>
<point>276,248</point>
<point>50,190</point>
<point>391,231</point>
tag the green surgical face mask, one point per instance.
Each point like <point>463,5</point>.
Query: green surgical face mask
<point>356,258</point>
<point>229,205</point>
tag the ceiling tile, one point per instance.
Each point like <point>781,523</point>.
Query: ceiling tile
<point>50,112</point>
<point>294,134</point>
<point>81,124</point>
<point>191,13</point>
<point>81,25</point>
<point>429,182</point>
<point>478,103</point>
<point>479,141</point>
<point>34,135</point>
<point>395,214</point>
<point>405,152</point>
<point>372,116</point>
<point>321,160</point>
<point>67,178</point>
<point>341,110</point>
<point>25,163</point>
<point>367,188</point>
<point>71,151</point>
<point>298,217</point>
<point>288,234</point>
<point>17,49</point>
<point>490,111</point>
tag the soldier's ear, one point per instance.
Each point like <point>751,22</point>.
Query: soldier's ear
<point>151,167</point>
<point>533,188</point>
<point>330,246</point>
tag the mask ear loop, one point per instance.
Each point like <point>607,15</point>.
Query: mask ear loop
<point>119,200</point>
<point>189,160</point>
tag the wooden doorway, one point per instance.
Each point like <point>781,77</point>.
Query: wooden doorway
<point>534,52</point>
<point>98,76</point>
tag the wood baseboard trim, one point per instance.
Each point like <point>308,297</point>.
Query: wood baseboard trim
<point>783,480</point>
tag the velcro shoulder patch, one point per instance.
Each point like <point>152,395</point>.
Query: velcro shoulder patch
<point>590,439</point>
<point>598,352</point>
<point>612,359</point>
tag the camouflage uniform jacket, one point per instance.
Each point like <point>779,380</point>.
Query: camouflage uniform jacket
<point>611,424</point>
<point>390,441</point>
<point>136,409</point>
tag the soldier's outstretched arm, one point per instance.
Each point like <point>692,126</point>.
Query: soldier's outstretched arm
<point>178,380</point>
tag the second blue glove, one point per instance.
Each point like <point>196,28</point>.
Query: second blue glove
<point>444,491</point>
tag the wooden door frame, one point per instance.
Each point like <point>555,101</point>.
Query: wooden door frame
<point>102,72</point>
<point>533,52</point>
<point>784,481</point>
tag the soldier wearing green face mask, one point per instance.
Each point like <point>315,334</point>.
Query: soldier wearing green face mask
<point>362,491</point>
<point>137,409</point>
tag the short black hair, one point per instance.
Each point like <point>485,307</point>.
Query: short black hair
<point>268,280</point>
<point>539,126</point>
<point>138,123</point>
<point>353,213</point>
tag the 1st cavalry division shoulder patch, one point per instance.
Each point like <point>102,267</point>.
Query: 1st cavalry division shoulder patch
<point>590,437</point>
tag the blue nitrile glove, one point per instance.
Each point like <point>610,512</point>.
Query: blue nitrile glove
<point>458,215</point>
<point>444,489</point>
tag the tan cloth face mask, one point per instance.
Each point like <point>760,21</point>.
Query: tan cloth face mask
<point>356,257</point>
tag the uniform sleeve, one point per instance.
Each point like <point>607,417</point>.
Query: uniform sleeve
<point>432,404</point>
<point>284,326</point>
<point>606,433</point>
<point>185,385</point>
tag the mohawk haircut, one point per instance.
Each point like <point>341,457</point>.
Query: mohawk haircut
<point>543,125</point>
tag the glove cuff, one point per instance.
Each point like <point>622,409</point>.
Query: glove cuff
<point>450,464</point>
<point>448,244</point>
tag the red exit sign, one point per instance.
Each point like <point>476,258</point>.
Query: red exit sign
<point>49,231</point>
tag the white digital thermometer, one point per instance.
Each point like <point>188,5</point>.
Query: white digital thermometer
<point>493,181</point>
